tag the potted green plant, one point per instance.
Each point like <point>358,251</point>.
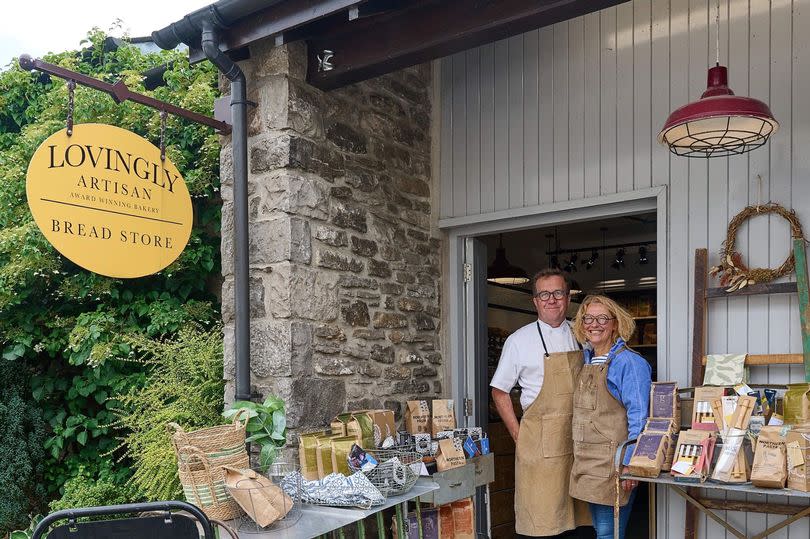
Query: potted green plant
<point>266,426</point>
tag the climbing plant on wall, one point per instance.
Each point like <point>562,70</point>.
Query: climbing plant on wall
<point>70,328</point>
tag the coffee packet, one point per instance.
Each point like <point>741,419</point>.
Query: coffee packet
<point>798,458</point>
<point>450,454</point>
<point>341,447</point>
<point>649,454</point>
<point>796,404</point>
<point>307,454</point>
<point>770,459</point>
<point>665,403</point>
<point>444,418</point>
<point>417,417</point>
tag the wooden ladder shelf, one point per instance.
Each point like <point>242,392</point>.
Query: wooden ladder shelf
<point>702,295</point>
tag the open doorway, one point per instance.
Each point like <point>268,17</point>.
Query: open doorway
<point>613,256</point>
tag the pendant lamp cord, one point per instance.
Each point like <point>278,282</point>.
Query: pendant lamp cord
<point>717,36</point>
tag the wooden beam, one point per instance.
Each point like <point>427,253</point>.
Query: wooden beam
<point>753,290</point>
<point>751,507</point>
<point>698,351</point>
<point>800,255</point>
<point>770,359</point>
<point>370,47</point>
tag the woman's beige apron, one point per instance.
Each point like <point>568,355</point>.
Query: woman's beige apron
<point>599,427</point>
<point>545,453</point>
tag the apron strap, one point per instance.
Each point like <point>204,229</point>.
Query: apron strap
<point>542,340</point>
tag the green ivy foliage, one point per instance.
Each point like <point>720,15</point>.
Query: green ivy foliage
<point>22,439</point>
<point>73,328</point>
<point>184,386</point>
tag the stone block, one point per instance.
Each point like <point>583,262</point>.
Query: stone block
<point>346,215</point>
<point>421,291</point>
<point>341,192</point>
<point>346,138</point>
<point>368,334</point>
<point>315,401</point>
<point>293,191</point>
<point>363,247</point>
<point>256,290</point>
<point>333,366</point>
<point>330,332</point>
<point>409,305</point>
<point>369,370</point>
<point>303,292</point>
<point>396,336</point>
<point>382,354</point>
<point>379,268</point>
<point>389,320</point>
<point>361,180</point>
<point>397,373</point>
<point>409,358</point>
<point>355,314</point>
<point>393,289</point>
<point>368,403</point>
<point>270,348</point>
<point>326,348</point>
<point>337,261</point>
<point>413,186</point>
<point>330,236</point>
<point>284,238</point>
<point>304,112</point>
<point>353,281</point>
<point>434,358</point>
<point>424,371</point>
<point>423,321</point>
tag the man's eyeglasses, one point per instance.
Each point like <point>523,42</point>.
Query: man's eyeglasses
<point>601,319</point>
<point>545,295</point>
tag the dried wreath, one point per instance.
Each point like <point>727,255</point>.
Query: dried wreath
<point>732,270</point>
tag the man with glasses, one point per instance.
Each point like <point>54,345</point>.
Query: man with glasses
<point>544,359</point>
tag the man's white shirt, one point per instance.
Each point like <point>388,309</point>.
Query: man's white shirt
<point>522,361</point>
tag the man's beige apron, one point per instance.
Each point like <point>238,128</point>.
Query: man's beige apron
<point>599,427</point>
<point>545,453</point>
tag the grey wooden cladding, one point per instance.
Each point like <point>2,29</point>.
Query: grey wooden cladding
<point>571,112</point>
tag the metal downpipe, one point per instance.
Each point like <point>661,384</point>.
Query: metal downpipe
<point>229,68</point>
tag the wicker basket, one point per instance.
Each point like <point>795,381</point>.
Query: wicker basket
<point>220,442</point>
<point>204,483</point>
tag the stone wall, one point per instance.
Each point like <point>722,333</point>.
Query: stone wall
<point>345,257</point>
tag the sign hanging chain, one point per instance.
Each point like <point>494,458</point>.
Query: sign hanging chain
<point>71,86</point>
<point>163,115</point>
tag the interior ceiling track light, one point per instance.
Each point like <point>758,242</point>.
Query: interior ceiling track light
<point>719,123</point>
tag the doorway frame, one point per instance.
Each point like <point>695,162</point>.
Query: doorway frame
<point>461,339</point>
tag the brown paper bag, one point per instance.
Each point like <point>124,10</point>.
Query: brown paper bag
<point>463,519</point>
<point>417,417</point>
<point>770,459</point>
<point>263,501</point>
<point>444,418</point>
<point>324,454</point>
<point>665,403</point>
<point>450,455</point>
<point>649,454</point>
<point>798,458</point>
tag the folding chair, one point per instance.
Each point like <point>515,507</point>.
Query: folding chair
<point>161,523</point>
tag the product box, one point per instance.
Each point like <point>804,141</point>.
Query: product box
<point>665,403</point>
<point>693,454</point>
<point>649,454</point>
<point>798,459</point>
<point>702,411</point>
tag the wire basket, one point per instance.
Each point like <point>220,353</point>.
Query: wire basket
<point>396,472</point>
<point>289,505</point>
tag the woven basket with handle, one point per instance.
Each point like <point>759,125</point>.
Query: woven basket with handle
<point>204,484</point>
<point>220,442</point>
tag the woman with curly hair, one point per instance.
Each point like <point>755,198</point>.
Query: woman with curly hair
<point>611,403</point>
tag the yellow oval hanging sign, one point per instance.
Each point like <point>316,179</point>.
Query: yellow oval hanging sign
<point>105,200</point>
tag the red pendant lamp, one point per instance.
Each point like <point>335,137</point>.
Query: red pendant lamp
<point>719,123</point>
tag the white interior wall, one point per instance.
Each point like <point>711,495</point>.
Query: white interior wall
<point>571,111</point>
